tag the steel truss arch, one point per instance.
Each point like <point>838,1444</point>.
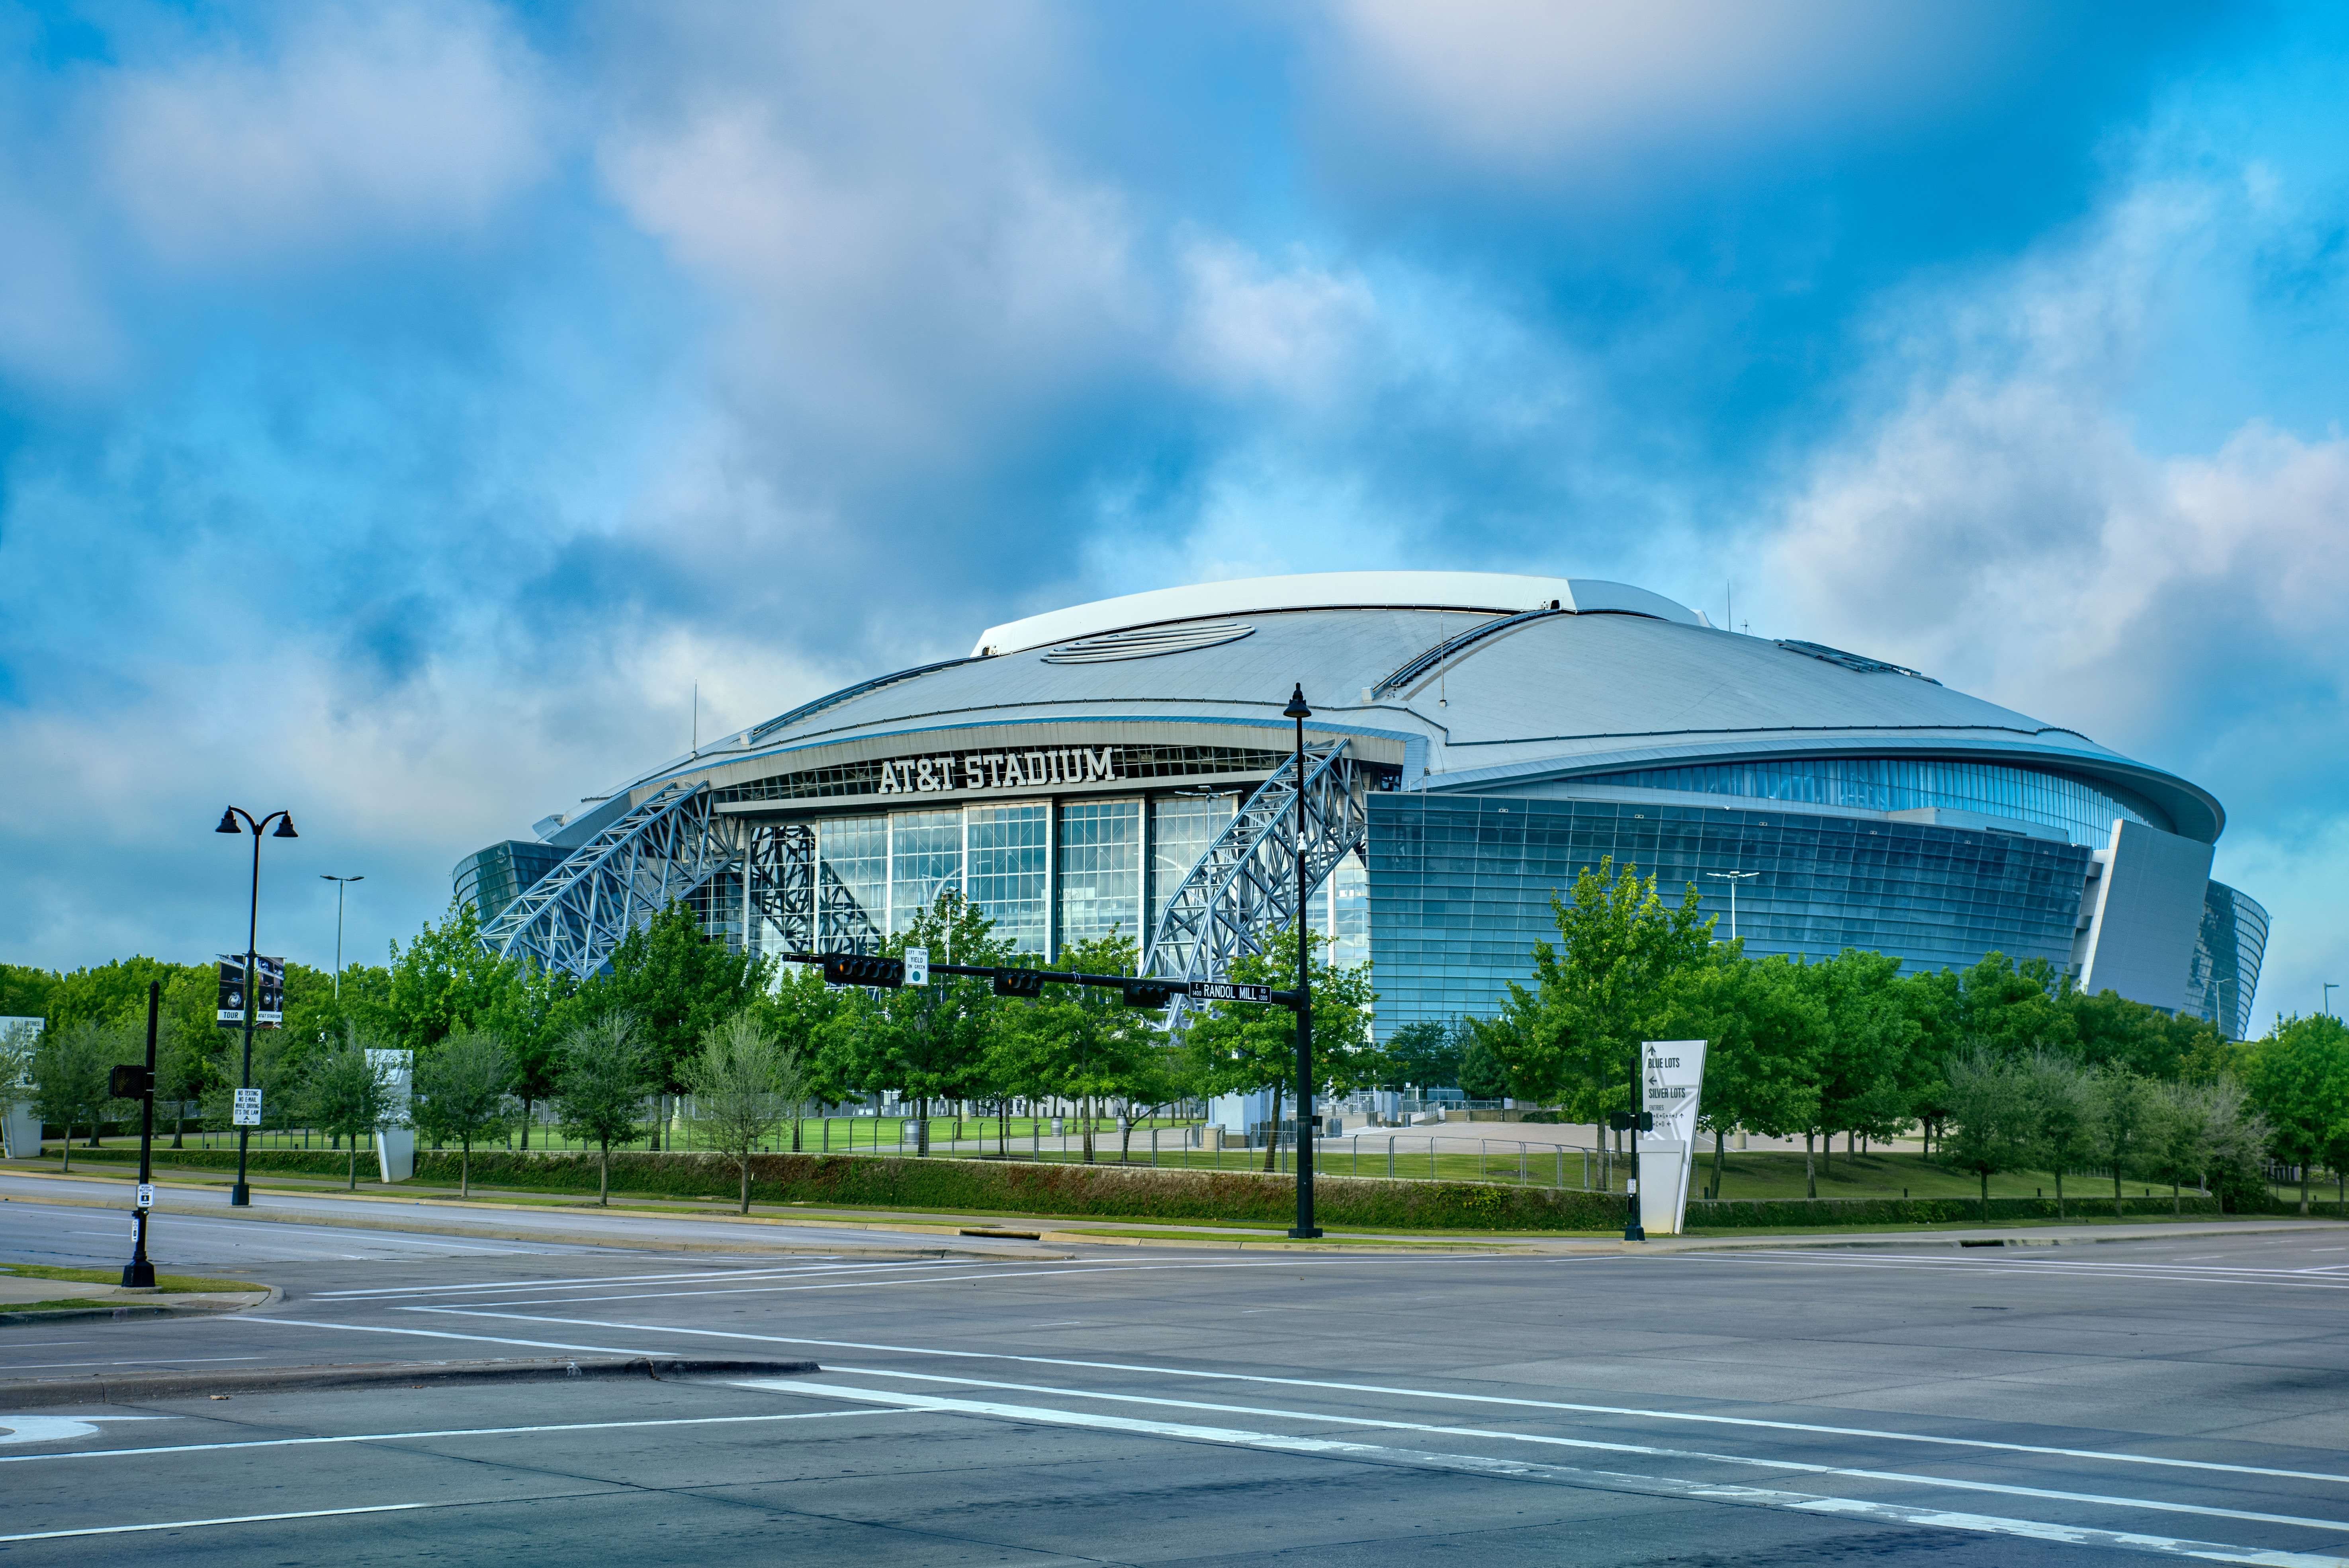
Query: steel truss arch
<point>669,847</point>
<point>1245,887</point>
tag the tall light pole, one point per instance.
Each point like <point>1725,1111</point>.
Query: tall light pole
<point>2330,988</point>
<point>342,886</point>
<point>241,1195</point>
<point>1305,1229</point>
<point>1733,878</point>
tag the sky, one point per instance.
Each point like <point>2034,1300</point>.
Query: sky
<point>407,408</point>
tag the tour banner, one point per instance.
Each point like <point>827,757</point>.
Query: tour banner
<point>270,982</point>
<point>1674,1073</point>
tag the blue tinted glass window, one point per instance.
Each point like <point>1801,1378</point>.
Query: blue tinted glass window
<point>1181,829</point>
<point>1009,847</point>
<point>1101,871</point>
<point>925,860</point>
<point>1904,784</point>
<point>853,866</point>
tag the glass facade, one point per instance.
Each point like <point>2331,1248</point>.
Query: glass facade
<point>1459,887</point>
<point>1347,920</point>
<point>493,878</point>
<point>852,853</point>
<point>925,860</point>
<point>1888,784</point>
<point>1101,871</point>
<point>1010,870</point>
<point>2228,952</point>
<point>1181,829</point>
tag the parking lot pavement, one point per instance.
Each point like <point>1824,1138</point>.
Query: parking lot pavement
<point>2156,1400</point>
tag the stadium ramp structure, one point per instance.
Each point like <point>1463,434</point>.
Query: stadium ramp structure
<point>668,847</point>
<point>1244,890</point>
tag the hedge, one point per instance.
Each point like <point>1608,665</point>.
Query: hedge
<point>1160,1193</point>
<point>1796,1214</point>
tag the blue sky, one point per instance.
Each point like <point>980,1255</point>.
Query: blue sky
<point>402,406</point>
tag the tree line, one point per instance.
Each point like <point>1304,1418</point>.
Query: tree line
<point>2000,1065</point>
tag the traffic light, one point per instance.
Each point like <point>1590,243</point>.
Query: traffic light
<point>860,969</point>
<point>1026,982</point>
<point>1629,1122</point>
<point>131,1082</point>
<point>1147,994</point>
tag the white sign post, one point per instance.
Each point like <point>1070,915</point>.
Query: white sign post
<point>917,967</point>
<point>394,1140</point>
<point>246,1109</point>
<point>1673,1073</point>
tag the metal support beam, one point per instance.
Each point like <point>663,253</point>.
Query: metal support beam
<point>573,918</point>
<point>1246,887</point>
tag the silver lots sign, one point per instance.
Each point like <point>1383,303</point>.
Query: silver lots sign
<point>946,771</point>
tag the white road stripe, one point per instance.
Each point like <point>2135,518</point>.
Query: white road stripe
<point>427,1333</point>
<point>234,1519</point>
<point>2278,1280</point>
<point>1521,1469</point>
<point>408,1437</point>
<point>1442,1396</point>
<point>400,1290</point>
<point>1799,1467</point>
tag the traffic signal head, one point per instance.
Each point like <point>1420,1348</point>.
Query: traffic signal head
<point>131,1082</point>
<point>1632,1121</point>
<point>1147,994</point>
<point>861,969</point>
<point>1019,983</point>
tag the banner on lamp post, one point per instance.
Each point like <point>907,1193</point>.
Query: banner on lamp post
<point>1672,1075</point>
<point>269,982</point>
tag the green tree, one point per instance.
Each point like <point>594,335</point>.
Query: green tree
<point>925,1042</point>
<point>2069,1101</point>
<point>800,1011</point>
<point>600,1086</point>
<point>1763,1028</point>
<point>1869,1044</point>
<point>2015,1009</point>
<point>1427,1053</point>
<point>1239,1047</point>
<point>1483,1070</point>
<point>1993,1119</point>
<point>2297,1079</point>
<point>462,1091</point>
<point>443,983</point>
<point>26,992</point>
<point>70,1071</point>
<point>745,1084</point>
<point>344,1094</point>
<point>679,983</point>
<point>2129,1127</point>
<point>1607,983</point>
<point>2212,1136</point>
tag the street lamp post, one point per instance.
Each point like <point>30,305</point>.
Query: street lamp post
<point>2330,988</point>
<point>1305,1229</point>
<point>1733,878</point>
<point>241,1195</point>
<point>342,886</point>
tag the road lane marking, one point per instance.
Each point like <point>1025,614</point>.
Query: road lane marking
<point>1696,1417</point>
<point>400,1290</point>
<point>233,1518</point>
<point>411,1437</point>
<point>1667,1486</point>
<point>428,1334</point>
<point>1800,1466</point>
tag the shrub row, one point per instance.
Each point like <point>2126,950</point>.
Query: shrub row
<point>1147,1192</point>
<point>1795,1213</point>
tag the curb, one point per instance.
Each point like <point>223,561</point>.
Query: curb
<point>558,1238</point>
<point>370,1374</point>
<point>270,1296</point>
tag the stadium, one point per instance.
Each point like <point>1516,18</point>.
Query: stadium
<point>1476,739</point>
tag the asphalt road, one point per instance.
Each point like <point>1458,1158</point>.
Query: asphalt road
<point>2131,1401</point>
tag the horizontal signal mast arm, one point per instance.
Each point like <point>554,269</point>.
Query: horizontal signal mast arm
<point>1203,990</point>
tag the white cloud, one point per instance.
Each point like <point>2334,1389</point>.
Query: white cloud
<point>1523,82</point>
<point>1246,327</point>
<point>411,119</point>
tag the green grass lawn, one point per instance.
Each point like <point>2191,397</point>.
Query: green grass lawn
<point>1756,1173</point>
<point>168,1283</point>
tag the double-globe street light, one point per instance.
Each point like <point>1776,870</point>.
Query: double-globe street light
<point>241,1195</point>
